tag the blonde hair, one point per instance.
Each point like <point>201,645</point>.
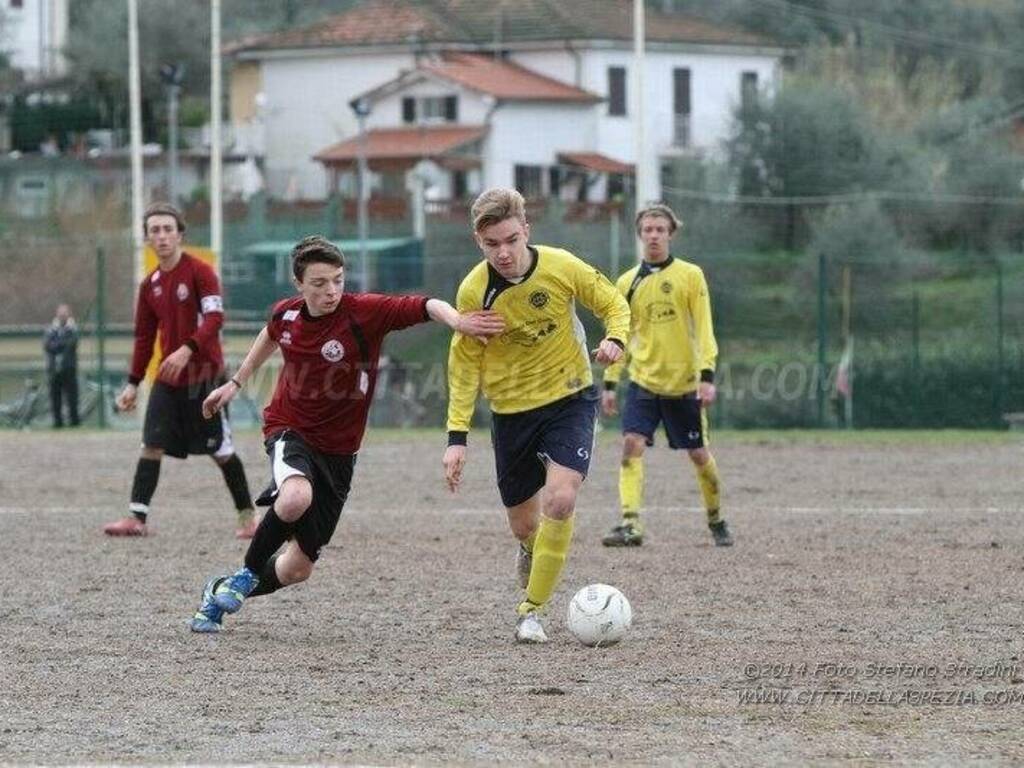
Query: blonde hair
<point>495,205</point>
<point>658,209</point>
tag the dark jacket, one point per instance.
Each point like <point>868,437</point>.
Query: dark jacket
<point>61,345</point>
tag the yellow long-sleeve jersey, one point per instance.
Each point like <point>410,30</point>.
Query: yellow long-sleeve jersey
<point>672,342</point>
<point>542,356</point>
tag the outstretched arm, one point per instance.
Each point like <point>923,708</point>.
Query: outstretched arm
<point>481,324</point>
<point>260,351</point>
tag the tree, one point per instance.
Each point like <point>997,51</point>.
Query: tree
<point>810,139</point>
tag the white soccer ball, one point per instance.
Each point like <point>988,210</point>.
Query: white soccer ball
<point>599,615</point>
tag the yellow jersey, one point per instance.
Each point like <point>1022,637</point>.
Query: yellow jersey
<point>672,342</point>
<point>542,356</point>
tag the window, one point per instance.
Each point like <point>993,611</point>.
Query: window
<point>451,109</point>
<point>748,90</point>
<point>430,109</point>
<point>681,88</point>
<point>554,180</point>
<point>530,180</point>
<point>681,106</point>
<point>617,91</point>
<point>616,186</point>
<point>460,185</point>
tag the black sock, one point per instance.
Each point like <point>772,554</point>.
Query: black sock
<point>147,473</point>
<point>271,533</point>
<point>268,579</point>
<point>234,476</point>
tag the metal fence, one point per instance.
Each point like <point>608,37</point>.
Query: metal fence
<point>936,334</point>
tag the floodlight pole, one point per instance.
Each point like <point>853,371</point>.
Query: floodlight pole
<point>641,178</point>
<point>135,110</point>
<point>362,109</point>
<point>216,201</point>
<point>172,75</point>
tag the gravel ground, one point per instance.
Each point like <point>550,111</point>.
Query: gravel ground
<point>854,555</point>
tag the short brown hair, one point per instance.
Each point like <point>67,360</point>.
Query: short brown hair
<point>163,209</point>
<point>315,249</point>
<point>658,209</point>
<point>495,205</point>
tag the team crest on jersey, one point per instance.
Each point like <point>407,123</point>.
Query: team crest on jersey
<point>666,287</point>
<point>332,351</point>
<point>158,291</point>
<point>286,338</point>
<point>538,299</point>
<point>182,292</point>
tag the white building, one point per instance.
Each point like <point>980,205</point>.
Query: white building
<point>34,34</point>
<point>572,57</point>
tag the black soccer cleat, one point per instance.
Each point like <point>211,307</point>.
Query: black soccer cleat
<point>720,533</point>
<point>625,535</point>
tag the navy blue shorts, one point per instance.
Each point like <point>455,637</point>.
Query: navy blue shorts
<point>524,443</point>
<point>686,423</point>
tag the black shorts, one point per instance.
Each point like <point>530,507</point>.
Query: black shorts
<point>686,422</point>
<point>524,443</point>
<point>174,422</point>
<point>329,474</point>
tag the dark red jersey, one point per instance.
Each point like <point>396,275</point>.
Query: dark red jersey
<point>330,365</point>
<point>186,307</point>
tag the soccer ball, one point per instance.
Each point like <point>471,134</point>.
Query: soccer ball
<point>599,615</point>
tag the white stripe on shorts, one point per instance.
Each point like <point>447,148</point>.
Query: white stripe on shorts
<point>227,445</point>
<point>281,470</point>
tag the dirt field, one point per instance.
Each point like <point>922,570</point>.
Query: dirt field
<point>852,553</point>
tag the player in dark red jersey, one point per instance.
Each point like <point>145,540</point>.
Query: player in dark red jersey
<point>181,300</point>
<point>330,342</point>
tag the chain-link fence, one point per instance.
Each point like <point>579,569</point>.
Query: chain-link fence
<point>849,328</point>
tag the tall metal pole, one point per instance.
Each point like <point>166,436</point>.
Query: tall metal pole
<point>362,214</point>
<point>848,343</point>
<point>101,332</point>
<point>216,202</point>
<point>641,180</point>
<point>135,109</point>
<point>615,224</point>
<point>915,342</point>
<point>822,336</point>
<point>999,341</point>
<point>172,140</point>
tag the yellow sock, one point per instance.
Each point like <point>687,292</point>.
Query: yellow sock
<point>549,553</point>
<point>631,486</point>
<point>710,489</point>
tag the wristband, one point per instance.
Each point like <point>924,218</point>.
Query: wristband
<point>235,381</point>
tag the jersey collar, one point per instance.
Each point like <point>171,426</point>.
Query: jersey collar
<point>496,284</point>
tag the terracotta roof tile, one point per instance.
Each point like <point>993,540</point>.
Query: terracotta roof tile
<point>595,161</point>
<point>503,79</point>
<point>412,143</point>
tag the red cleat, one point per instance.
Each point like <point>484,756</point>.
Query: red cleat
<point>126,526</point>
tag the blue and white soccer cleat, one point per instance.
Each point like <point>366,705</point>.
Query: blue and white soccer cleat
<point>231,593</point>
<point>209,617</point>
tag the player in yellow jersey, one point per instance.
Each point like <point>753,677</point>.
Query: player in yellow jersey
<point>537,378</point>
<point>671,360</point>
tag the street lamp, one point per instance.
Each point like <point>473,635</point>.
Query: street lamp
<point>172,75</point>
<point>361,107</point>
